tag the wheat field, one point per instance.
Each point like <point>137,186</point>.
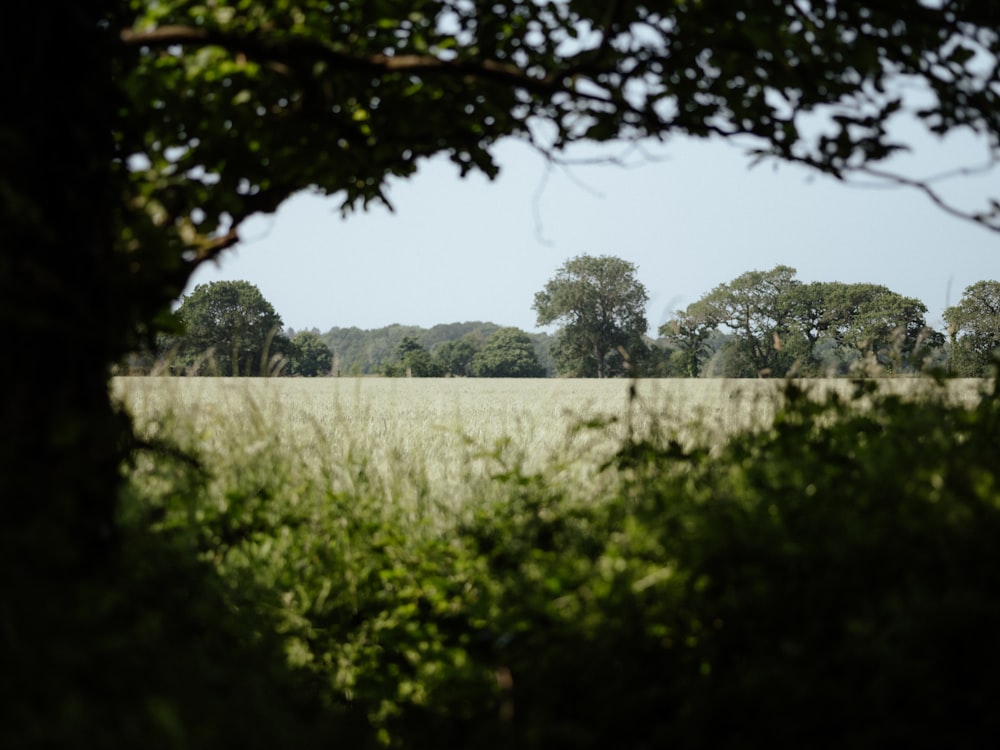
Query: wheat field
<point>414,437</point>
<point>420,416</point>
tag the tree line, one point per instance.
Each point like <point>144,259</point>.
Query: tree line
<point>773,324</point>
<point>778,325</point>
<point>447,349</point>
<point>760,324</point>
<point>228,328</point>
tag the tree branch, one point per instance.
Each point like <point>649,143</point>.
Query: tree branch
<point>987,219</point>
<point>990,219</point>
<point>289,51</point>
<point>297,52</point>
<point>208,249</point>
<point>301,48</point>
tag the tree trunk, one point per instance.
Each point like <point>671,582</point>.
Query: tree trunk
<point>62,441</point>
<point>599,357</point>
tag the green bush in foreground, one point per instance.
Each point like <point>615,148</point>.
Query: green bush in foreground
<point>829,581</point>
<point>839,565</point>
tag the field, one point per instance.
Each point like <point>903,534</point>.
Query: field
<point>407,412</point>
<point>429,447</point>
<point>445,429</point>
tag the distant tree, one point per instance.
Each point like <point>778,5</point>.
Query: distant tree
<point>475,332</point>
<point>755,307</point>
<point>413,361</point>
<point>229,329</point>
<point>688,336</point>
<point>664,360</point>
<point>813,313</point>
<point>543,348</point>
<point>887,330</point>
<point>508,353</point>
<point>455,357</point>
<point>310,356</point>
<point>364,352</point>
<point>780,326</point>
<point>837,322</point>
<point>974,329</point>
<point>601,305</point>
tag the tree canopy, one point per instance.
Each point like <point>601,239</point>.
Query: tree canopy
<point>753,307</point>
<point>601,305</point>
<point>456,356</point>
<point>343,97</point>
<point>974,329</point>
<point>778,325</point>
<point>451,345</point>
<point>310,356</point>
<point>413,361</point>
<point>229,330</point>
<point>507,353</point>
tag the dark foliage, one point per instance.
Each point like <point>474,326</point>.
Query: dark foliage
<point>826,581</point>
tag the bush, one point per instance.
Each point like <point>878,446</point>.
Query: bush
<point>839,566</point>
<point>828,581</point>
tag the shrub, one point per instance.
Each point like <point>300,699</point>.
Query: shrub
<point>826,580</point>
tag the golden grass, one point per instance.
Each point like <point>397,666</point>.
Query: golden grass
<point>437,436</point>
<point>425,416</point>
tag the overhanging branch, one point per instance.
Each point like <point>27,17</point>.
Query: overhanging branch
<point>300,53</point>
<point>210,248</point>
<point>987,219</point>
<point>290,50</point>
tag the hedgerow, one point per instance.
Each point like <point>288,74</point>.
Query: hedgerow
<point>827,579</point>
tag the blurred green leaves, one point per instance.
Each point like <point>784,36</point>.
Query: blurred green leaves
<point>835,562</point>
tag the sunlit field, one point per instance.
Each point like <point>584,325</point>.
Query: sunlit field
<point>411,438</point>
<point>436,435</point>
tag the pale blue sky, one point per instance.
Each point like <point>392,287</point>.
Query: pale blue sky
<point>469,249</point>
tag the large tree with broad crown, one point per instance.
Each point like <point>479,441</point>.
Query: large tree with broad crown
<point>230,329</point>
<point>602,308</point>
<point>974,329</point>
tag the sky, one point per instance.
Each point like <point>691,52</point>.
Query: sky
<point>689,214</point>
